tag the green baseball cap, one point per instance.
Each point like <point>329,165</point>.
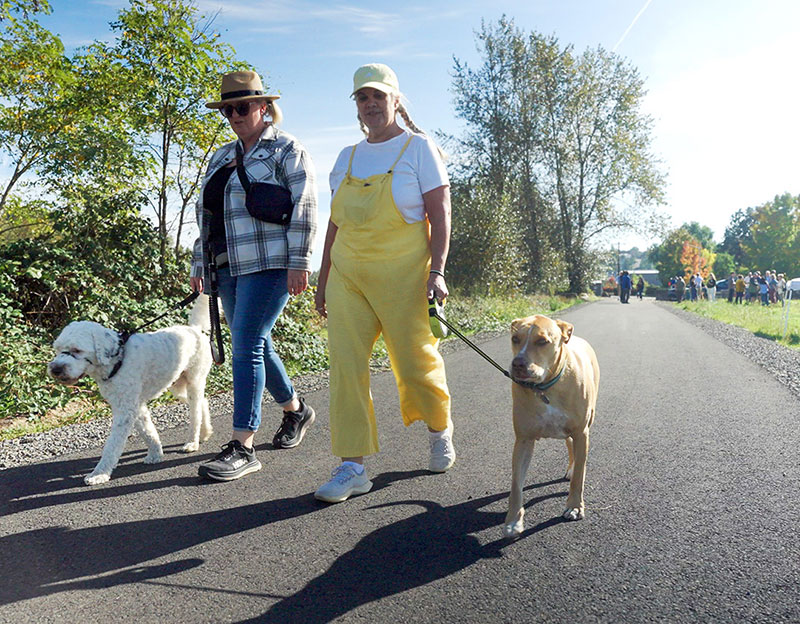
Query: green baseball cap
<point>375,76</point>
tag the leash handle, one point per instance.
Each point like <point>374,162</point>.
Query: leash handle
<point>434,313</point>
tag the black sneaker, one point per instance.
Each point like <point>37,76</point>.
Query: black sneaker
<point>233,462</point>
<point>293,427</point>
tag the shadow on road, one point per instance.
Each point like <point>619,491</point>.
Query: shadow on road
<point>430,545</point>
<point>426,547</point>
<point>56,483</point>
<point>44,561</point>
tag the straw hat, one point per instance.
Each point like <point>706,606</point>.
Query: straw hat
<point>241,86</point>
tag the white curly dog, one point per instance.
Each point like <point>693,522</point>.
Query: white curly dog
<point>131,374</point>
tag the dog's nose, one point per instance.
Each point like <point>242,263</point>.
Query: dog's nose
<point>519,364</point>
<point>56,369</point>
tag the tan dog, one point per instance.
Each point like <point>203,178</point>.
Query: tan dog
<point>542,348</point>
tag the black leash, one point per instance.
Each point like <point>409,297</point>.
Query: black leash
<point>537,387</point>
<point>125,334</point>
<point>217,348</point>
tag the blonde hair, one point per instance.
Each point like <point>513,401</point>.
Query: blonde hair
<point>409,123</point>
<point>274,111</point>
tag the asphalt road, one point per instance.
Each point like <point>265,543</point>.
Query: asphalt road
<point>692,509</point>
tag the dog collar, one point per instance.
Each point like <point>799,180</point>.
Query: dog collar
<point>123,338</point>
<point>541,387</point>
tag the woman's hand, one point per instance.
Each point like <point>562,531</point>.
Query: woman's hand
<point>297,281</point>
<point>437,287</point>
<point>319,302</point>
<point>196,284</point>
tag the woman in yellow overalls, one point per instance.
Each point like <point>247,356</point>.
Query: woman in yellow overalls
<point>384,256</point>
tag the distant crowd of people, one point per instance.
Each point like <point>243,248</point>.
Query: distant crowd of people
<point>769,288</point>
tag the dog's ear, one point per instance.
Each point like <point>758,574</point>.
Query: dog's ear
<point>106,346</point>
<point>566,330</point>
<point>515,324</point>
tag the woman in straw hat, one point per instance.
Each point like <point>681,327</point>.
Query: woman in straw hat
<point>258,263</point>
<point>384,257</point>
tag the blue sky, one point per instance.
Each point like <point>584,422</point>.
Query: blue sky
<point>721,76</point>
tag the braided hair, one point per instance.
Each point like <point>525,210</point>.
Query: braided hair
<point>409,123</point>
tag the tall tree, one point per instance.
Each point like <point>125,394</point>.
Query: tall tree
<point>702,233</point>
<point>666,256</point>
<point>565,132</point>
<point>595,149</point>
<point>170,61</point>
<point>499,155</point>
<point>738,235</point>
<point>775,236</point>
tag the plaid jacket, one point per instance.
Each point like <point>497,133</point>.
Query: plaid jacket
<point>253,245</point>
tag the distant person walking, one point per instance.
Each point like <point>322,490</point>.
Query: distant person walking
<point>624,287</point>
<point>731,286</point>
<point>640,287</point>
<point>763,289</point>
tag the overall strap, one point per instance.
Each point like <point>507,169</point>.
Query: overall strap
<point>400,155</point>
<point>350,164</point>
<point>394,164</point>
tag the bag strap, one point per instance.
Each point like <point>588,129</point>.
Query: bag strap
<point>240,170</point>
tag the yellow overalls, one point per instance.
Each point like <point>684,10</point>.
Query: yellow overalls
<point>379,271</point>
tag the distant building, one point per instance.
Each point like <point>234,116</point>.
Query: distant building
<point>650,276</point>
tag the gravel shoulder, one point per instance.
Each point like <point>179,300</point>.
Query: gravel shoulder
<point>782,362</point>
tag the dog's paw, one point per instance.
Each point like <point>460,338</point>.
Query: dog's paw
<point>574,513</point>
<point>205,434</point>
<point>153,458</point>
<point>513,529</point>
<point>96,479</point>
<point>190,447</point>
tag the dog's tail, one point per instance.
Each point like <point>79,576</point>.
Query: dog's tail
<point>199,316</point>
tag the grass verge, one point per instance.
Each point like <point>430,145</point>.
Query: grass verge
<point>765,321</point>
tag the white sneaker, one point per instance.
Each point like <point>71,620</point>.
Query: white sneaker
<point>345,482</point>
<point>443,453</point>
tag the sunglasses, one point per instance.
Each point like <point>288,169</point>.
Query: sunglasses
<point>242,109</point>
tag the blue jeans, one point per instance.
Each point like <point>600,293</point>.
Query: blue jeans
<point>252,304</point>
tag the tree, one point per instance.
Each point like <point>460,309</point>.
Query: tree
<point>595,149</point>
<point>666,256</point>
<point>775,235</point>
<point>567,130</point>
<point>170,62</point>
<point>702,233</point>
<point>9,9</point>
<point>35,78</point>
<point>498,156</point>
<point>724,265</point>
<point>738,235</point>
<point>695,258</point>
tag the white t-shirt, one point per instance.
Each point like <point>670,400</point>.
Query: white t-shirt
<point>419,170</point>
